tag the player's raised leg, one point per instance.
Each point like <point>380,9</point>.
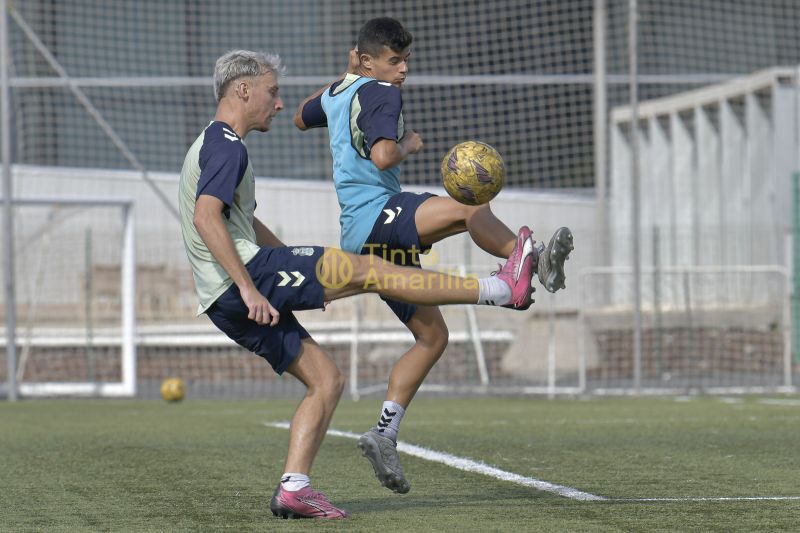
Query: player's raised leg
<point>511,286</point>
<point>440,217</point>
<point>294,497</point>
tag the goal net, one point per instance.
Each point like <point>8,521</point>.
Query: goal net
<point>75,291</point>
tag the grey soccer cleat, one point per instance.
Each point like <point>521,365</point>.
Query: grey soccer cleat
<point>382,453</point>
<point>550,267</point>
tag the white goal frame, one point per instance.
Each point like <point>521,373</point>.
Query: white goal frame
<point>126,387</point>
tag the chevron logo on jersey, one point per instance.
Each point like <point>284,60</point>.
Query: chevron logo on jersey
<point>231,136</point>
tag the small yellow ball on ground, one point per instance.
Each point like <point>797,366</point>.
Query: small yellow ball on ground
<point>173,389</point>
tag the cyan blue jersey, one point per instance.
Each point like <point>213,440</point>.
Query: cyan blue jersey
<point>361,187</point>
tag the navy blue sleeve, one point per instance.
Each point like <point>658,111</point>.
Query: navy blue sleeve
<point>313,115</point>
<point>381,106</point>
<point>223,160</point>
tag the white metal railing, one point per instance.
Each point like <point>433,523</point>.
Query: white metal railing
<point>716,163</point>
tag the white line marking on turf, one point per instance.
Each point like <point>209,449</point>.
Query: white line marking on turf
<point>779,401</point>
<point>469,465</point>
<point>731,400</point>
<point>710,499</point>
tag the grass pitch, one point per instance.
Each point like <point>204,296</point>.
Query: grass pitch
<point>212,465</point>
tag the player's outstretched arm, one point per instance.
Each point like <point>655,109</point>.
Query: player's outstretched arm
<point>209,224</point>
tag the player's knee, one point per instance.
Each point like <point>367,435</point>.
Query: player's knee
<point>442,339</point>
<point>340,381</point>
<point>472,210</point>
<point>333,385</point>
<point>462,215</point>
<point>436,338</point>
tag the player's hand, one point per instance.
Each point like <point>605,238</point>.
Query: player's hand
<point>411,141</point>
<point>259,309</point>
<point>353,62</point>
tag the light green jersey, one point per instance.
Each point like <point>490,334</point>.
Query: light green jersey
<point>217,165</point>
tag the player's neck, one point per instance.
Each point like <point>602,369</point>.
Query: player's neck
<point>364,73</point>
<point>232,119</point>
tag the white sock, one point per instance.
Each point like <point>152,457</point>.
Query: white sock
<point>493,291</point>
<point>293,482</point>
<point>389,421</point>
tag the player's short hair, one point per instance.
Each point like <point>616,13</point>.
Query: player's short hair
<point>382,32</point>
<point>240,64</point>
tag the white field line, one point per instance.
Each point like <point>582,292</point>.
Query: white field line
<point>706,499</point>
<point>780,401</point>
<point>468,465</point>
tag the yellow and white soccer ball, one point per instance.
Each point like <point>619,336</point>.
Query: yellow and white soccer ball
<point>173,389</point>
<point>473,172</point>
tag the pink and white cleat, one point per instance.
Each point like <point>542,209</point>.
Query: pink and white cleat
<point>304,503</point>
<point>518,270</point>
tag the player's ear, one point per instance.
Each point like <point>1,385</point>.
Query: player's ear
<point>243,89</point>
<point>366,60</point>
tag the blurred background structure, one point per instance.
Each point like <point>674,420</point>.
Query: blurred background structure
<point>664,133</point>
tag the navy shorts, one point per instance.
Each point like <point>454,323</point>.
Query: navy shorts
<point>286,276</point>
<point>394,237</point>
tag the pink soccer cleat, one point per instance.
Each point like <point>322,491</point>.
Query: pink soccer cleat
<point>304,503</point>
<point>519,269</point>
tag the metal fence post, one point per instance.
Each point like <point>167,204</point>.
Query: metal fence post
<point>796,266</point>
<point>8,219</point>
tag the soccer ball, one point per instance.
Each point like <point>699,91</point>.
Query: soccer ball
<point>173,389</point>
<point>473,172</point>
